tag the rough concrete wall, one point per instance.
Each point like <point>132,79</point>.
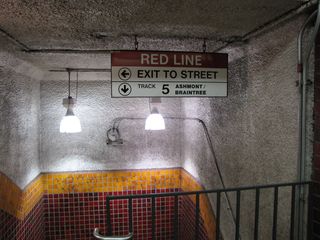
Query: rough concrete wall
<point>19,119</point>
<point>96,109</point>
<point>254,129</point>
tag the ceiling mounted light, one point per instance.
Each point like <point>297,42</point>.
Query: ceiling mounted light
<point>155,120</point>
<point>70,123</point>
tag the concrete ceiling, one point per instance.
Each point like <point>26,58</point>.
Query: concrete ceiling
<point>171,25</point>
<point>76,23</point>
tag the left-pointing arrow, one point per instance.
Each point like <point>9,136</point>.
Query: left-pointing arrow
<point>125,73</point>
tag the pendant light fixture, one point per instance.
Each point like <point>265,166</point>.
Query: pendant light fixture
<point>70,123</point>
<point>155,120</point>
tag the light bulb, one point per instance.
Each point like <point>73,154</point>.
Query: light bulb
<point>155,122</point>
<point>70,123</point>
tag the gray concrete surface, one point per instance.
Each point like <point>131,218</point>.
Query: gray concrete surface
<point>255,129</point>
<point>51,61</point>
<point>96,109</point>
<point>19,119</point>
<point>70,24</point>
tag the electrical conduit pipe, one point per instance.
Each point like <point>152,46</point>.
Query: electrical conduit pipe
<point>303,62</point>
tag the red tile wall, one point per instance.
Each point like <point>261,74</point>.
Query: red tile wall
<point>187,221</point>
<point>8,226</point>
<point>142,216</point>
<point>31,228</point>
<point>74,216</point>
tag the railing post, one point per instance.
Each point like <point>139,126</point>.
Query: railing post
<point>310,212</point>
<point>218,216</point>
<point>176,215</point>
<point>275,214</point>
<point>293,209</point>
<point>237,235</point>
<point>197,215</point>
<point>130,215</point>
<point>109,225</point>
<point>256,217</point>
<point>153,216</point>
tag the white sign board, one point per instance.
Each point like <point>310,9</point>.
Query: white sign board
<point>168,74</point>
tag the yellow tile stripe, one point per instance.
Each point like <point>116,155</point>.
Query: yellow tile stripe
<point>110,181</point>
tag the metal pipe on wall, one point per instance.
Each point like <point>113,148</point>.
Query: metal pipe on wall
<point>86,70</point>
<point>303,64</point>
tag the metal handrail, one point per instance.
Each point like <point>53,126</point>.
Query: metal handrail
<point>149,195</point>
<point>115,129</point>
<point>97,235</point>
<point>218,192</point>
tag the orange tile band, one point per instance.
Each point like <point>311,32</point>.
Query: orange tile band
<point>110,181</point>
<point>19,202</point>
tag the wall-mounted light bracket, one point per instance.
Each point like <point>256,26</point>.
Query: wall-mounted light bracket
<point>113,137</point>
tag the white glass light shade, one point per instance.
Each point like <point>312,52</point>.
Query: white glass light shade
<point>155,122</point>
<point>70,124</point>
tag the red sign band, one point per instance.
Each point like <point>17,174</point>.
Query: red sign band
<point>169,59</point>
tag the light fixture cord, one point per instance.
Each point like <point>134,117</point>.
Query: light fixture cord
<point>69,85</point>
<point>150,110</point>
<point>77,83</point>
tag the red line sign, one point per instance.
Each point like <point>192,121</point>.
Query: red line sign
<point>168,74</point>
<point>169,59</point>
